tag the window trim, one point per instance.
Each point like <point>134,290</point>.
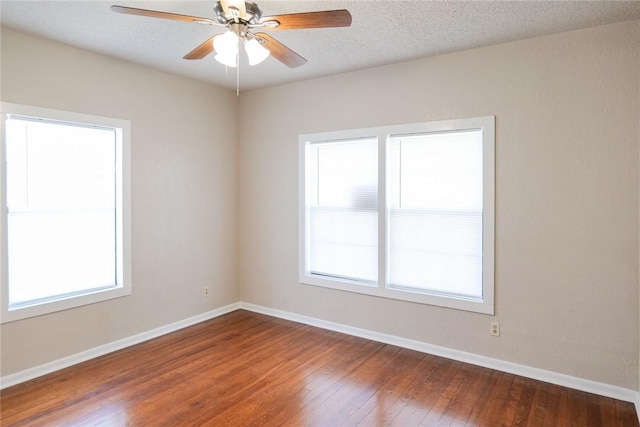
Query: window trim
<point>123,228</point>
<point>380,289</point>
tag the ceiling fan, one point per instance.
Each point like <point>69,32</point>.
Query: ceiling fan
<point>240,17</point>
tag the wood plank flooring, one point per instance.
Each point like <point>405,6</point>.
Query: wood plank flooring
<point>247,369</point>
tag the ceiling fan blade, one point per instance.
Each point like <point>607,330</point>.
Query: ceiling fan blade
<point>294,21</point>
<point>201,51</point>
<point>235,8</point>
<point>164,15</point>
<point>280,51</point>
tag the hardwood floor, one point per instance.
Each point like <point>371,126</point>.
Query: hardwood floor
<point>247,369</point>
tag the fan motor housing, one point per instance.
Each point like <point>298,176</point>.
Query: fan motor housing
<point>251,17</point>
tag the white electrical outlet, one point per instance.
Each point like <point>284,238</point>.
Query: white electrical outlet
<point>495,329</point>
<point>206,291</point>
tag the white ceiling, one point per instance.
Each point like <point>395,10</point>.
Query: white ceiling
<point>382,32</point>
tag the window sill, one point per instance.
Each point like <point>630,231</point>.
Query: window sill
<point>483,306</point>
<point>64,303</point>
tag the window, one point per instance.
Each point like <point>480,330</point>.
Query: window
<point>403,212</point>
<point>65,231</point>
<point>343,217</point>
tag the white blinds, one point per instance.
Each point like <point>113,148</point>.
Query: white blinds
<point>434,199</point>
<point>61,221</point>
<point>342,213</point>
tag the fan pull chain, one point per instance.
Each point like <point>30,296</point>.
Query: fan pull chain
<point>238,73</point>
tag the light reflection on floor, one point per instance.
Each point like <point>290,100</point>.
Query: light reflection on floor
<point>109,415</point>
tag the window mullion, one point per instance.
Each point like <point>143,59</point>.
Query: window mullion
<point>382,211</point>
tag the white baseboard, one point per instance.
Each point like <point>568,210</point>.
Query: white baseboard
<point>65,362</point>
<point>589,386</point>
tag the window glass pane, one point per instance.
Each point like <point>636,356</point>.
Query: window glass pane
<point>435,213</point>
<point>55,166</point>
<point>53,254</point>
<point>61,221</point>
<point>342,238</point>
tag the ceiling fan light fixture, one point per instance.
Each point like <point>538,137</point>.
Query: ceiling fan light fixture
<point>228,60</point>
<point>226,44</point>
<point>226,47</point>
<point>255,51</point>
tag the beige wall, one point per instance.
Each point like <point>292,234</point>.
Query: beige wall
<point>183,193</point>
<point>567,113</point>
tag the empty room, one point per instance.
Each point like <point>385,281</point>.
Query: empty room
<point>323,213</point>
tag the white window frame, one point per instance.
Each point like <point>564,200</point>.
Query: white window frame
<point>484,305</point>
<point>123,214</point>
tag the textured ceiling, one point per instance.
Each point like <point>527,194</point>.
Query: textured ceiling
<point>382,32</point>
